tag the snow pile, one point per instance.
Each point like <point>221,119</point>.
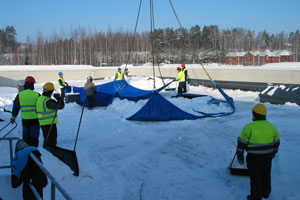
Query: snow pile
<point>178,160</point>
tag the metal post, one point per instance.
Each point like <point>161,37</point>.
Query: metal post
<point>11,155</point>
<point>52,191</point>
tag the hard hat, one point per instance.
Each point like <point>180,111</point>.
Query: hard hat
<point>119,68</point>
<point>60,73</point>
<point>29,79</point>
<point>183,65</point>
<point>89,78</point>
<point>260,109</point>
<point>48,86</point>
<point>178,69</point>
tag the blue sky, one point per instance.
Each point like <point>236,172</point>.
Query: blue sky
<point>49,16</point>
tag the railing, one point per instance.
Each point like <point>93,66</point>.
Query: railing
<point>54,183</point>
<point>10,139</point>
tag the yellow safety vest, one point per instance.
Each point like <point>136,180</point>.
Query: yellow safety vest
<point>63,82</point>
<point>45,115</point>
<point>120,76</point>
<point>180,76</point>
<point>27,100</point>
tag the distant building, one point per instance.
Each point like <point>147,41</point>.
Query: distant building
<point>235,58</point>
<point>252,58</point>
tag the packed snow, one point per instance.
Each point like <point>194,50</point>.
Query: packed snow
<point>174,160</point>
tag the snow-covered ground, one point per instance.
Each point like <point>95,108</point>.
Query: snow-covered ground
<point>175,160</point>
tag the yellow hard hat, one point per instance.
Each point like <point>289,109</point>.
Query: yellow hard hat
<point>260,109</point>
<point>48,86</point>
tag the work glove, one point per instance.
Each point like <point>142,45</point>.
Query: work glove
<point>240,159</point>
<point>56,96</point>
<point>12,120</point>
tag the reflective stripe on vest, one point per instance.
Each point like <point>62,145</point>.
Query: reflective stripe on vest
<point>62,81</point>
<point>45,115</point>
<point>120,76</point>
<point>259,137</point>
<point>27,100</point>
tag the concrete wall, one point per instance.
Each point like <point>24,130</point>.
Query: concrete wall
<point>289,76</point>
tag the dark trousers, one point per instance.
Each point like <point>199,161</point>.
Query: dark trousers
<point>259,168</point>
<point>34,175</point>
<point>62,92</point>
<point>52,138</point>
<point>27,192</point>
<point>184,89</point>
<point>90,101</point>
<point>31,131</point>
<point>181,87</point>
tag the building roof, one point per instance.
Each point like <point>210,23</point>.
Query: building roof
<point>236,54</point>
<point>261,53</point>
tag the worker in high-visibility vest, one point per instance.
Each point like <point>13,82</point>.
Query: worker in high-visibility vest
<point>181,79</point>
<point>184,70</point>
<point>260,139</point>
<point>62,83</point>
<point>119,75</point>
<point>25,101</point>
<point>46,109</point>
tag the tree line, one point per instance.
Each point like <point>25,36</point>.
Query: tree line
<point>192,45</point>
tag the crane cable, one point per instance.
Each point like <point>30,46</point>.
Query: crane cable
<point>182,29</point>
<point>134,33</point>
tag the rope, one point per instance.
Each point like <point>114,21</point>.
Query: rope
<point>133,36</point>
<point>175,14</point>
<point>182,29</point>
<point>152,39</point>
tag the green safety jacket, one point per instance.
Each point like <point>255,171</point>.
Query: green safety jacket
<point>63,82</point>
<point>120,76</point>
<point>45,115</point>
<point>259,137</point>
<point>180,76</point>
<point>27,99</point>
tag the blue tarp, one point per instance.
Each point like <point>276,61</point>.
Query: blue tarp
<point>105,93</point>
<point>159,109</point>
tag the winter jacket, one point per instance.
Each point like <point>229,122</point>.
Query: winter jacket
<point>258,138</point>
<point>89,88</point>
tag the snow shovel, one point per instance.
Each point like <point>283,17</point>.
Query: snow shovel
<point>237,169</point>
<point>68,157</point>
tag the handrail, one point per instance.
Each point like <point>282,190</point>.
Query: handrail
<point>54,182</point>
<point>52,179</point>
<point>10,139</point>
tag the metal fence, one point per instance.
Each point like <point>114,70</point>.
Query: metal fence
<point>54,182</point>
